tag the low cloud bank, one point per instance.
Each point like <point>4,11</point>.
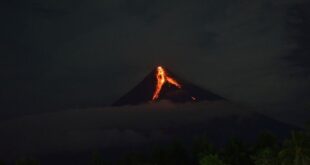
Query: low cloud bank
<point>86,129</point>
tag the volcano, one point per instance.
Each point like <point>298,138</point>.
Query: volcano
<point>161,84</point>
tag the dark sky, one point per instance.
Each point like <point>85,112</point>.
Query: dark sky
<point>58,54</point>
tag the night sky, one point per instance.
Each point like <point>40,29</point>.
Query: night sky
<point>65,54</point>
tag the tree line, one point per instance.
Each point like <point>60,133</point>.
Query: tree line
<point>267,150</point>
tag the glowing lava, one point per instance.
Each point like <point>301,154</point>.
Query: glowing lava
<point>162,78</point>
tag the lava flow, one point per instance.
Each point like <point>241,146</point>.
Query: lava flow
<point>162,78</point>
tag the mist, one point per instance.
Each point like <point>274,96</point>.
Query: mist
<point>80,130</point>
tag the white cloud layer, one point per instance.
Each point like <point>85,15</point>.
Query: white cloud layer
<point>87,129</point>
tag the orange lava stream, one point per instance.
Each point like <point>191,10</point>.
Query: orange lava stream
<point>162,78</point>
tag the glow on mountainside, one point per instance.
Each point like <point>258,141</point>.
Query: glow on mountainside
<point>163,78</point>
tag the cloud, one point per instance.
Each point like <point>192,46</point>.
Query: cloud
<point>92,52</point>
<point>88,129</point>
<point>234,45</point>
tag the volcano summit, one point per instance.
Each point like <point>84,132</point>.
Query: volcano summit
<point>161,84</point>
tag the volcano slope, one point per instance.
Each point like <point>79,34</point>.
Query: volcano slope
<point>171,87</point>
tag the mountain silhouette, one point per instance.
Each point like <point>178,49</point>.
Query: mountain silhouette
<point>144,92</point>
